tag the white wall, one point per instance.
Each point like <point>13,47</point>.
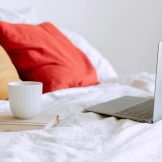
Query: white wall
<point>127,32</point>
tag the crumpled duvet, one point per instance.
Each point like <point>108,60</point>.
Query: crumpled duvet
<point>86,137</point>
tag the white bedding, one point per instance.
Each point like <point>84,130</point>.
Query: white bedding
<point>84,137</point>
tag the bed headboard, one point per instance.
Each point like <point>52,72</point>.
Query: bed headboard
<point>127,32</point>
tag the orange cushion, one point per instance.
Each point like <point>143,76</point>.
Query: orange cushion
<point>8,73</point>
<point>42,53</point>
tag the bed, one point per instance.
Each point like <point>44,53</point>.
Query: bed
<point>81,136</point>
<point>87,136</point>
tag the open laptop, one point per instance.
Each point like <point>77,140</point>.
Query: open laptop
<point>140,109</point>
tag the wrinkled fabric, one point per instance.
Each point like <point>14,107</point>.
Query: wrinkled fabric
<point>86,137</point>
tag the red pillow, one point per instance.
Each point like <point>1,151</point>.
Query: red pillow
<point>42,53</point>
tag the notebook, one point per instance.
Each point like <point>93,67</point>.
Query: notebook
<point>8,123</point>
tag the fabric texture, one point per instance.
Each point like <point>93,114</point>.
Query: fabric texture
<point>86,137</point>
<point>43,53</point>
<point>105,70</point>
<point>8,73</point>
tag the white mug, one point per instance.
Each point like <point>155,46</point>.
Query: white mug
<point>25,98</point>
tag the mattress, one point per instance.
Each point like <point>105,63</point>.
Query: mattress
<point>85,137</point>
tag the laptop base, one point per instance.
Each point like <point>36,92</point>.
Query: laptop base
<point>127,107</point>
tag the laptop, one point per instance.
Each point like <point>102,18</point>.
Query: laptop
<point>147,110</point>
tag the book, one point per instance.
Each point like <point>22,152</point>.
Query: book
<point>8,123</point>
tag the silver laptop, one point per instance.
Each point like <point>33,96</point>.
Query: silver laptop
<point>140,109</point>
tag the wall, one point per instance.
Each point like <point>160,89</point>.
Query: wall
<point>127,32</point>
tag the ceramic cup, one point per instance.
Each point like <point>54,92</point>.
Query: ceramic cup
<point>25,98</point>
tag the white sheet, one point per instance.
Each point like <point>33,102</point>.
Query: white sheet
<point>87,137</point>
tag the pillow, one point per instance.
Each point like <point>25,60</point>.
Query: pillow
<point>26,16</point>
<point>43,53</point>
<point>104,69</point>
<point>8,73</point>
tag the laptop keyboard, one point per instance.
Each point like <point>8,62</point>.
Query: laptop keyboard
<point>141,111</point>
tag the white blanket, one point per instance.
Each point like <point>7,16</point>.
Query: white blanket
<point>86,137</point>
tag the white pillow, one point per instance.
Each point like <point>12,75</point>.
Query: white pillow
<point>25,16</point>
<point>104,69</point>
